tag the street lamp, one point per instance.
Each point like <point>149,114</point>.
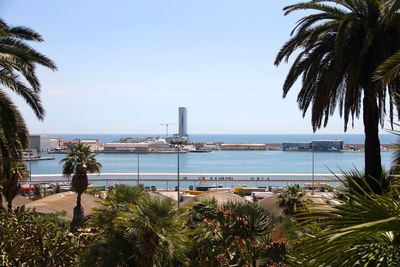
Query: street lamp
<point>178,177</point>
<point>138,168</point>
<point>313,167</point>
<point>30,172</point>
<point>178,144</point>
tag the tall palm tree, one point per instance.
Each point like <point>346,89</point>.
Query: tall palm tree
<point>18,62</point>
<point>79,162</point>
<point>16,172</point>
<point>339,48</point>
<point>13,139</point>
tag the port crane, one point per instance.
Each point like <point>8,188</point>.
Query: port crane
<point>167,124</point>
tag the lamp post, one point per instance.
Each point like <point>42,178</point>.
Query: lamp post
<point>30,172</point>
<point>178,144</point>
<point>313,157</point>
<point>178,176</point>
<point>138,168</point>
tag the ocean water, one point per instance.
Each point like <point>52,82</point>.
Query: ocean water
<point>227,161</point>
<point>220,162</point>
<point>223,162</point>
<point>242,138</point>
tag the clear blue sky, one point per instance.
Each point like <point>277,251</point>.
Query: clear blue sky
<point>126,66</point>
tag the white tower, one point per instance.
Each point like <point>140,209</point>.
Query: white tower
<point>182,122</point>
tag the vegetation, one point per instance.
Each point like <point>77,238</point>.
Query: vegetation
<point>291,199</point>
<point>18,61</point>
<point>31,239</point>
<point>79,162</point>
<point>136,229</point>
<point>363,230</point>
<point>340,45</point>
<point>10,187</point>
<point>234,235</point>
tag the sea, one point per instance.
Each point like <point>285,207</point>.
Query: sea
<point>228,161</point>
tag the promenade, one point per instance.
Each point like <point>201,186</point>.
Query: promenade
<point>166,180</point>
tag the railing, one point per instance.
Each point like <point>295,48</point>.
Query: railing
<point>226,178</point>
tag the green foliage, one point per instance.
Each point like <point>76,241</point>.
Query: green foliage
<point>136,229</point>
<point>31,239</point>
<point>17,171</point>
<point>389,71</point>
<point>18,62</point>
<point>364,230</point>
<point>291,199</point>
<point>199,210</point>
<point>354,181</point>
<point>233,235</point>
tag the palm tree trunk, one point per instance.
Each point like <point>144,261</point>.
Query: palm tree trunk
<point>1,202</point>
<point>148,251</point>
<point>78,201</point>
<point>373,165</point>
<point>9,205</point>
<point>77,220</point>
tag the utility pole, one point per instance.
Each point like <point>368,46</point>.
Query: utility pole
<point>313,167</point>
<point>166,124</point>
<point>178,177</point>
<point>137,169</point>
<point>30,172</point>
<point>178,144</point>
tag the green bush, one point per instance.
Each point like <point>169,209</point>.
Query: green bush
<point>233,235</point>
<point>31,239</point>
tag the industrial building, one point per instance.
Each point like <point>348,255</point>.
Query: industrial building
<point>320,145</point>
<point>126,147</point>
<point>159,145</point>
<point>296,146</point>
<point>327,145</point>
<point>40,142</point>
<point>243,146</point>
<point>93,144</point>
<point>182,122</point>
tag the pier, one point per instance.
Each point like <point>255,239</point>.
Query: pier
<point>169,179</point>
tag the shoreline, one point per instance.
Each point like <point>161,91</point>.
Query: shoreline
<point>267,147</point>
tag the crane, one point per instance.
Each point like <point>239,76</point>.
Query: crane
<point>167,124</point>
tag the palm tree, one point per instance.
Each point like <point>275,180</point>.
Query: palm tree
<point>339,48</point>
<point>291,199</point>
<point>156,230</point>
<point>13,138</point>
<point>364,230</point>
<point>18,63</point>
<point>389,71</point>
<point>136,229</point>
<point>10,188</point>
<point>78,162</point>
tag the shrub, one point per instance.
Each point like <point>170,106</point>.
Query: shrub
<point>32,239</point>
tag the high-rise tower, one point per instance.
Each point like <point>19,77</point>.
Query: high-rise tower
<point>182,122</point>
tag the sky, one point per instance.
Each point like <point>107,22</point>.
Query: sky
<point>126,66</point>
